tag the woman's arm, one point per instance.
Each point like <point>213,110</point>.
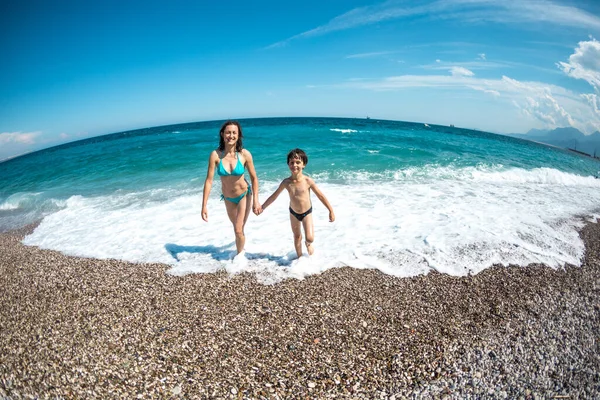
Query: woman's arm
<point>323,199</point>
<point>212,161</point>
<point>253,180</point>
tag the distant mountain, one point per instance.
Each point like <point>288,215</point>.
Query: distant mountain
<point>568,138</point>
<point>594,136</point>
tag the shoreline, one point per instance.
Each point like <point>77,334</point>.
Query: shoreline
<point>85,328</point>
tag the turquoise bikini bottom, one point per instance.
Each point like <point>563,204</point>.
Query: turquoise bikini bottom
<point>236,200</point>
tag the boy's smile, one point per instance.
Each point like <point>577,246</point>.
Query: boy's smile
<point>296,165</point>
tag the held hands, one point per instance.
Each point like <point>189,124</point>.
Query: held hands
<point>257,209</point>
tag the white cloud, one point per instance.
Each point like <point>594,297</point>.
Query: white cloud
<point>486,65</point>
<point>482,56</point>
<point>510,12</point>
<point>541,101</point>
<point>448,65</point>
<point>460,71</point>
<point>18,137</point>
<point>593,100</point>
<point>552,105</point>
<point>547,109</point>
<point>369,55</point>
<point>356,17</point>
<point>584,63</point>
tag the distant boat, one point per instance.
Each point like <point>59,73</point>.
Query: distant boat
<point>579,152</point>
<point>368,117</point>
<point>451,125</point>
<point>426,125</point>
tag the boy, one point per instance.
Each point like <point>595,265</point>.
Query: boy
<point>299,187</point>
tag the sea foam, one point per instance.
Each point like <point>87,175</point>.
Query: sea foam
<point>404,223</point>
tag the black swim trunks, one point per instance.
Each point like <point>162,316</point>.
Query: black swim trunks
<point>300,217</point>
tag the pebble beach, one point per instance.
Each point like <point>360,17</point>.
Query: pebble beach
<point>85,328</point>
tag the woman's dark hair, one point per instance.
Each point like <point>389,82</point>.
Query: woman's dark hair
<point>297,153</point>
<point>238,146</point>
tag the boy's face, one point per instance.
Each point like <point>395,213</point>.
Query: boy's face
<point>296,165</point>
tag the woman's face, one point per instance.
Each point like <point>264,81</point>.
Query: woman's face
<point>230,134</point>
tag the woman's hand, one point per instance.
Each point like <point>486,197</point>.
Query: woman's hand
<point>204,214</point>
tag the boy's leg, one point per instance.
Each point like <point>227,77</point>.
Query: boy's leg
<point>307,223</point>
<point>297,232</point>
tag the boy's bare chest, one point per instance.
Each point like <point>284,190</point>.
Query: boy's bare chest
<point>298,189</point>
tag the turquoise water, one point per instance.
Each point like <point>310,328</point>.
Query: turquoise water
<point>422,196</point>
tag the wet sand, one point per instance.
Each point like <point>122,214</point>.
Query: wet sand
<point>83,328</point>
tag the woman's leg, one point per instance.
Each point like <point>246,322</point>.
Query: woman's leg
<point>248,206</point>
<point>237,216</point>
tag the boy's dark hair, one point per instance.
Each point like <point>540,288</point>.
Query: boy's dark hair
<point>297,153</point>
<point>238,145</point>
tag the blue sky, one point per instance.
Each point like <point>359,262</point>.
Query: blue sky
<point>76,69</point>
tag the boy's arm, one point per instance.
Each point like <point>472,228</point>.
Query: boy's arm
<point>323,199</point>
<point>273,196</point>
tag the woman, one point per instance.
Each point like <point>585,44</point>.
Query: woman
<point>230,161</point>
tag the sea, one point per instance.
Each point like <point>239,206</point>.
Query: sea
<point>409,198</point>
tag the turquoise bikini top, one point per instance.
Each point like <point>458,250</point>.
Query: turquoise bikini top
<point>237,171</point>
